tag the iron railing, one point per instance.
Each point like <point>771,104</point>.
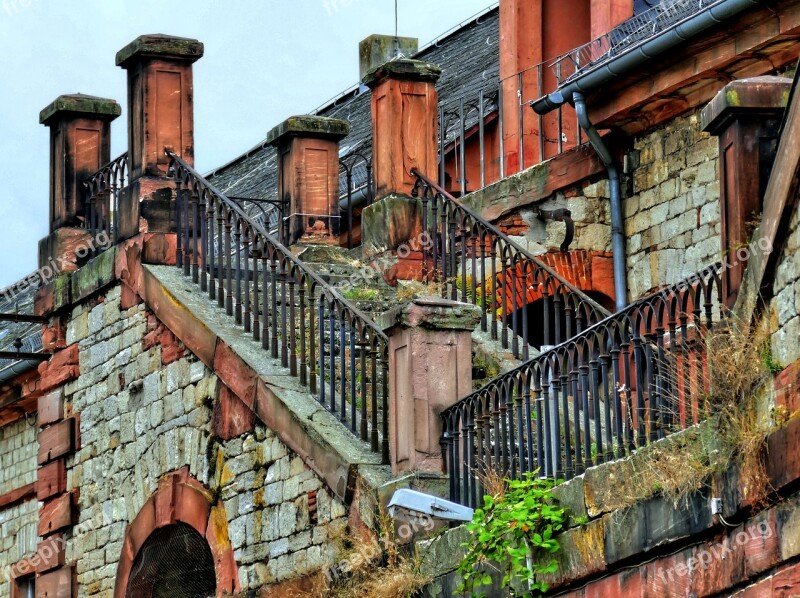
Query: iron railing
<point>475,262</point>
<point>497,124</point>
<point>358,187</point>
<point>626,36</point>
<point>331,346</point>
<point>101,203</point>
<point>631,379</point>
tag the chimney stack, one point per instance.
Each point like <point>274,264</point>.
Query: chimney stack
<point>308,176</point>
<point>160,116</point>
<point>80,141</point>
<point>405,130</point>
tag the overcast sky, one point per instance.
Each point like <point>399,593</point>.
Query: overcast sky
<point>264,60</point>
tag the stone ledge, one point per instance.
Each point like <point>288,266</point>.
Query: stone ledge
<point>278,399</point>
<point>80,105</point>
<point>160,46</point>
<point>317,127</point>
<point>405,69</point>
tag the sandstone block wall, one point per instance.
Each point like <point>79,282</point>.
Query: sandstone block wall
<point>785,305</point>
<point>672,219</point>
<point>18,533</point>
<point>145,406</point>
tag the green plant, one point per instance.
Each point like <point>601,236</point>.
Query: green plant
<point>360,294</point>
<point>514,531</point>
<point>773,367</point>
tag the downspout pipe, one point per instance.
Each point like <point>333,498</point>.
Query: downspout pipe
<point>630,60</point>
<point>617,225</point>
<point>17,368</point>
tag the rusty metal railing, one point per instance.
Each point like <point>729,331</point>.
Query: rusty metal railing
<point>618,385</point>
<point>334,349</point>
<point>101,203</point>
<point>475,262</point>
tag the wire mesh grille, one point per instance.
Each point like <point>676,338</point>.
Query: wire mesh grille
<point>174,562</point>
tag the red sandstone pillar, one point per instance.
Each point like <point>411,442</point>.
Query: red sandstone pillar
<point>160,116</point>
<point>746,116</point>
<point>404,123</point>
<point>430,369</point>
<point>80,139</point>
<point>404,137</point>
<point>308,176</point>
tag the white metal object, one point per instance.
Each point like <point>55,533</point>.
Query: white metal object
<point>419,503</point>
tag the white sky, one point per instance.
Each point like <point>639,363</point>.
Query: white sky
<point>264,60</point>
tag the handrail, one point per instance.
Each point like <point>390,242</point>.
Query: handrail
<point>102,199</point>
<point>452,229</point>
<point>332,346</point>
<point>623,382</point>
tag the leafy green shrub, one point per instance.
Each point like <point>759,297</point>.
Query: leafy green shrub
<point>514,531</point>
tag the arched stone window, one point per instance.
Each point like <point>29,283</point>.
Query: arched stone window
<point>174,562</point>
<point>177,545</point>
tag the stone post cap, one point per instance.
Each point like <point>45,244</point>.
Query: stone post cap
<point>317,127</point>
<point>377,49</point>
<point>403,68</point>
<point>80,105</point>
<point>159,45</point>
<point>756,95</point>
<point>432,313</point>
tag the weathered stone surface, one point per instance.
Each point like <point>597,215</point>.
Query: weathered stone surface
<point>754,96</point>
<point>159,46</point>
<point>321,127</point>
<point>376,50</point>
<point>389,223</point>
<point>80,105</point>
<point>404,68</point>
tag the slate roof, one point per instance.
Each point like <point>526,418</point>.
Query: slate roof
<point>469,58</point>
<point>19,302</point>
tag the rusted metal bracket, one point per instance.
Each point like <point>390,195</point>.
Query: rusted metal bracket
<point>560,215</point>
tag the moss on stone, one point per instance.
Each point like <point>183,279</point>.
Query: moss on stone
<point>79,104</point>
<point>158,45</point>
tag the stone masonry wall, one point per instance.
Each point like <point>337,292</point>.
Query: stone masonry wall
<point>145,408</point>
<point>785,304</point>
<point>18,533</point>
<point>18,448</point>
<point>672,219</point>
<point>18,538</point>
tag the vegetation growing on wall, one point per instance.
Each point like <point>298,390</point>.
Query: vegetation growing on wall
<point>513,533</point>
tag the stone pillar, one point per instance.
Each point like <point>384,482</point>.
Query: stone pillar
<point>404,137</point>
<point>746,116</point>
<point>80,140</point>
<point>308,176</point>
<point>430,369</point>
<point>160,117</point>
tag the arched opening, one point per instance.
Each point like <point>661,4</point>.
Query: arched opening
<point>174,562</point>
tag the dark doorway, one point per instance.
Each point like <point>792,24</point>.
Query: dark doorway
<point>174,562</point>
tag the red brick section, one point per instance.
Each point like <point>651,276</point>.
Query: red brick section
<point>231,417</point>
<point>9,499</point>
<point>58,439</point>
<point>586,270</point>
<point>159,335</point>
<point>181,498</point>
<point>62,368</point>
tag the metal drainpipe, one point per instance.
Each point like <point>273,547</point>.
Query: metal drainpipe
<point>617,225</point>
